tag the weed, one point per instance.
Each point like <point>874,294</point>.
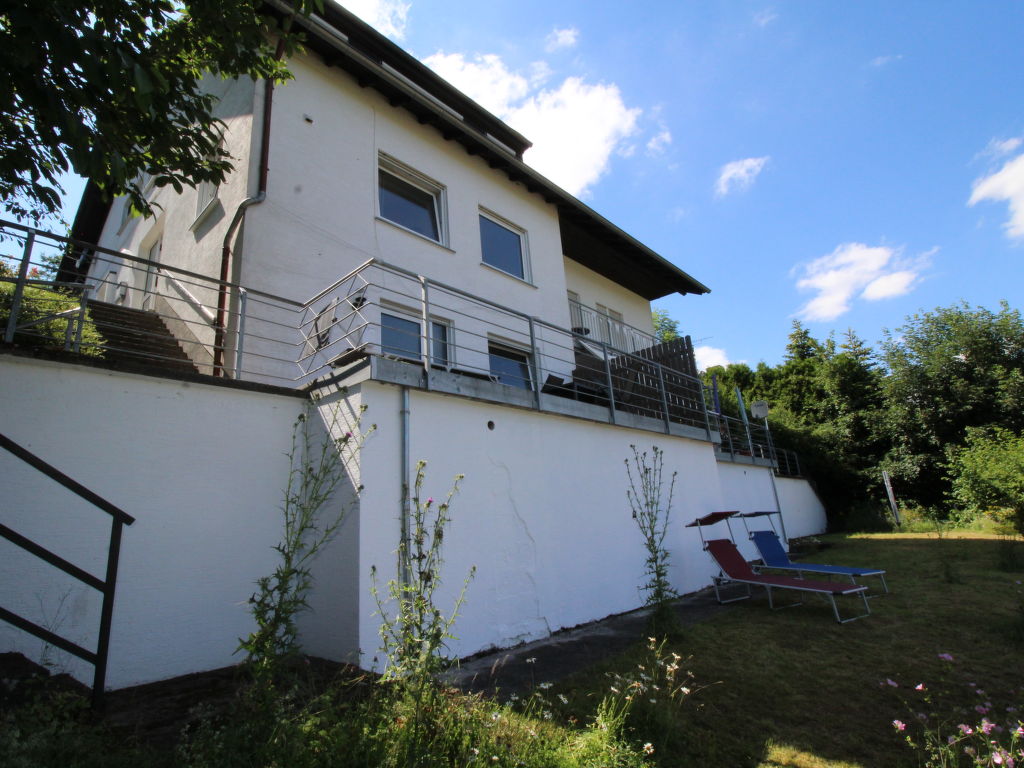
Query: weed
<point>651,513</point>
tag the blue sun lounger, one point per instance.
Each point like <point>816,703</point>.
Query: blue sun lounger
<point>774,556</point>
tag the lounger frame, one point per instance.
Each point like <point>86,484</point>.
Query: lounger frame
<point>775,557</point>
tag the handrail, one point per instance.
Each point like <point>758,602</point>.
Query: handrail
<point>139,260</point>
<point>106,586</point>
<point>72,485</point>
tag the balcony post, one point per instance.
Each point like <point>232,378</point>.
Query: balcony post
<point>704,408</point>
<point>243,297</point>
<point>664,398</point>
<point>19,287</point>
<point>535,363</point>
<point>608,379</point>
<point>426,338</point>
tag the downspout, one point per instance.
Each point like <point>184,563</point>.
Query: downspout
<point>220,329</point>
<point>403,548</point>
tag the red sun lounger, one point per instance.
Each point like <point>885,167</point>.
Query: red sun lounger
<point>773,555</point>
<point>734,569</point>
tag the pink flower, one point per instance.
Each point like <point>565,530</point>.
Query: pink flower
<point>986,726</point>
<point>899,725</point>
<point>966,730</point>
<point>946,656</point>
<point>981,710</point>
<point>919,687</point>
<point>1019,732</point>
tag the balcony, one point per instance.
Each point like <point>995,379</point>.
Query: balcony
<point>379,322</point>
<point>601,327</point>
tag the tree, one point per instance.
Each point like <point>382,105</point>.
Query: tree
<point>987,473</point>
<point>112,89</point>
<point>950,369</point>
<point>665,328</point>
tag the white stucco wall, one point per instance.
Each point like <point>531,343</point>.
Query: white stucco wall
<point>542,513</point>
<point>594,289</point>
<point>201,468</point>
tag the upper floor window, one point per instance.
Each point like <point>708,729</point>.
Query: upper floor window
<point>503,246</point>
<point>410,200</point>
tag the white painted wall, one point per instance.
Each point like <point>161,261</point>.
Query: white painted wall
<point>542,513</point>
<point>202,470</point>
<point>594,289</point>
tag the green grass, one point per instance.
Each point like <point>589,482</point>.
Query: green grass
<point>792,688</point>
<point>769,688</point>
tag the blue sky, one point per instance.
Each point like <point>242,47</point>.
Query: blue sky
<point>842,163</point>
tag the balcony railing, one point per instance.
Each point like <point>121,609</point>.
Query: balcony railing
<point>414,329</point>
<point>601,327</point>
<point>746,440</point>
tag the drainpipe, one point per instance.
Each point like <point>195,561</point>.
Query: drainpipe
<point>403,560</point>
<point>220,329</point>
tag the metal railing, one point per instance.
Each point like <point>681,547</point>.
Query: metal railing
<point>105,586</point>
<point>376,310</point>
<point>752,440</point>
<point>601,327</point>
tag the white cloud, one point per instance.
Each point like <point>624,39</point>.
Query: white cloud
<point>387,16</point>
<point>881,61</point>
<point>658,143</point>
<point>575,126</point>
<point>739,174</point>
<point>710,356</point>
<point>561,38</point>
<point>856,270</point>
<point>765,17</point>
<point>484,78</point>
<point>1005,184</point>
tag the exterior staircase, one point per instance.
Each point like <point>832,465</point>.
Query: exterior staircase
<point>137,338</point>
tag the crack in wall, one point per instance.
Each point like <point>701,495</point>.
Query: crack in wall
<point>533,544</point>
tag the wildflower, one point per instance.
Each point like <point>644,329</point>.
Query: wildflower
<point>495,716</point>
<point>966,730</point>
<point>547,714</point>
<point>648,748</point>
<point>986,726</point>
<point>653,701</point>
<point>685,691</point>
<point>981,710</point>
<point>513,697</point>
<point>494,758</point>
<point>1019,733</point>
<point>980,692</point>
<point>946,656</point>
<point>430,501</point>
<point>891,683</point>
<point>615,690</point>
<point>919,687</point>
<point>544,686</point>
<point>950,739</point>
<point>562,699</point>
<point>532,660</point>
<point>899,725</point>
<point>970,751</point>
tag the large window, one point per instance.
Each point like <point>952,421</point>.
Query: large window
<point>400,336</point>
<point>410,200</point>
<point>503,246</point>
<point>509,366</point>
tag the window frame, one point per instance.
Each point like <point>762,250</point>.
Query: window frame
<point>524,245</point>
<point>410,177</point>
<point>507,351</point>
<point>410,316</point>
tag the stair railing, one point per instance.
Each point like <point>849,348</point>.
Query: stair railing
<point>106,586</point>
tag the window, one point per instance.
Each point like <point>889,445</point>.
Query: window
<point>207,195</point>
<point>410,200</point>
<point>400,336</point>
<point>509,366</point>
<point>503,246</point>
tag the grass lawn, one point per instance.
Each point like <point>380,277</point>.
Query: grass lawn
<point>770,688</point>
<point>793,688</point>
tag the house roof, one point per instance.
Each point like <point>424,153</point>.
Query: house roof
<point>345,41</point>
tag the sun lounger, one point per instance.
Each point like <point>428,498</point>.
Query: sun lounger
<point>734,569</point>
<point>774,556</point>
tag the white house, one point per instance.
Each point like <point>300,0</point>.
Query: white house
<point>381,243</point>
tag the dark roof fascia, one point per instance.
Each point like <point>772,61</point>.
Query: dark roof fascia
<point>91,216</point>
<point>642,271</point>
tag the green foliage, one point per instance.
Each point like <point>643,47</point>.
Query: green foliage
<point>315,472</point>
<point>665,328</point>
<point>41,318</point>
<point>949,369</point>
<point>651,510</point>
<point>112,89</point>
<point>987,472</point>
